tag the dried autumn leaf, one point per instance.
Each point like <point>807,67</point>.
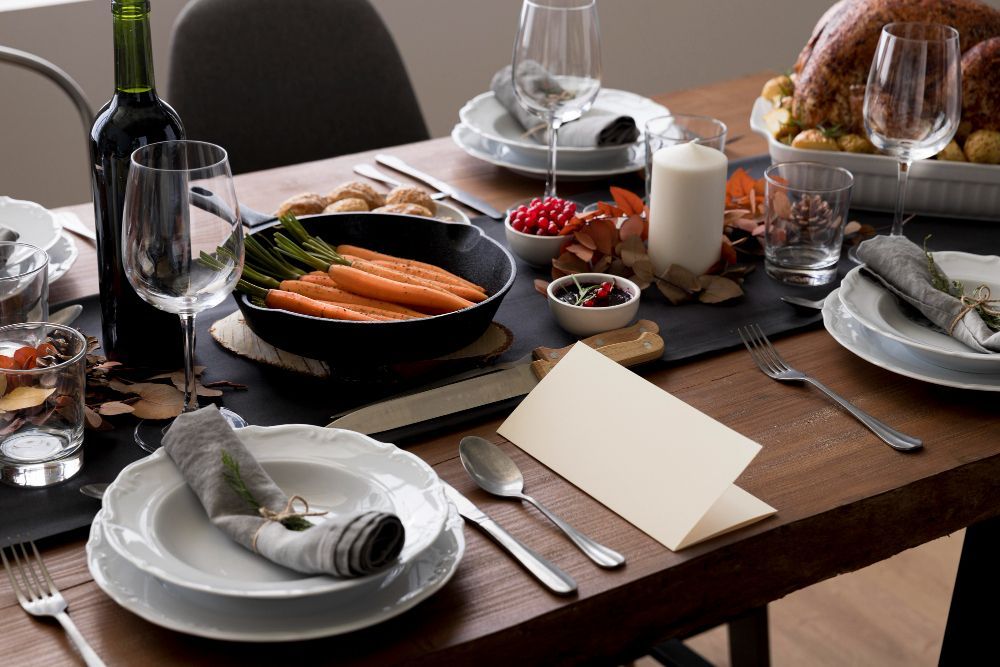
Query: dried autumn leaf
<point>716,289</point>
<point>627,201</point>
<point>643,272</point>
<point>583,252</point>
<point>583,238</point>
<point>112,408</point>
<point>680,277</point>
<point>673,293</point>
<point>570,263</point>
<point>634,226</point>
<point>618,268</point>
<point>12,427</point>
<point>159,401</point>
<point>728,252</point>
<point>605,235</point>
<point>601,265</point>
<point>541,286</point>
<point>730,216</point>
<point>22,398</point>
<point>631,250</point>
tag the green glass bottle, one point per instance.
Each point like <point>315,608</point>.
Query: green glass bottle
<point>134,332</point>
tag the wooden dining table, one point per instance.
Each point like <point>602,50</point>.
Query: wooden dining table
<point>844,499</point>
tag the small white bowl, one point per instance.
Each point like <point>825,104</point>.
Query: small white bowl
<point>535,250</point>
<point>583,321</point>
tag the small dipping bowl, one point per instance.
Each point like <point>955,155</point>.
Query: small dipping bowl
<point>533,249</point>
<point>584,321</point>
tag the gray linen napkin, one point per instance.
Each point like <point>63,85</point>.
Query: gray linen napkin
<point>9,235</point>
<point>344,546</point>
<point>901,266</point>
<point>592,129</point>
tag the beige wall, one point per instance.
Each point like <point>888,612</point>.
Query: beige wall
<point>451,48</point>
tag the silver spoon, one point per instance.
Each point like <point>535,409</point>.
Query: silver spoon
<point>496,473</point>
<point>94,490</point>
<point>804,303</point>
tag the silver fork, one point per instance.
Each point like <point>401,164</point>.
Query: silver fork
<point>40,597</point>
<point>774,366</point>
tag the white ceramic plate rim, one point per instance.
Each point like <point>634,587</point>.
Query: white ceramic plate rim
<point>448,213</point>
<point>155,602</point>
<point>481,112</point>
<point>863,299</point>
<point>891,356</point>
<point>34,223</point>
<point>484,150</point>
<point>62,256</point>
<point>142,485</point>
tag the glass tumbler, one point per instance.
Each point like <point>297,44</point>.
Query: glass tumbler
<point>805,211</point>
<point>24,283</point>
<point>42,387</point>
<point>681,128</point>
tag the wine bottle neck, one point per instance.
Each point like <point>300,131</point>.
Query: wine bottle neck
<point>133,47</point>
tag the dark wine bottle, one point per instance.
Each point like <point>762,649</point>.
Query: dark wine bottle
<point>134,332</point>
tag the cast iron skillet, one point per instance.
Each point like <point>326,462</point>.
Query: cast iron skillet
<point>462,249</point>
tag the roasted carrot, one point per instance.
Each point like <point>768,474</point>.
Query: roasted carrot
<point>371,255</point>
<point>427,274</point>
<point>320,277</point>
<point>303,305</point>
<point>313,288</point>
<point>385,289</point>
<point>404,277</point>
<point>378,313</point>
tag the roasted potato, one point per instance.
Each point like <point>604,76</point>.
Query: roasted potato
<point>348,205</point>
<point>405,194</point>
<point>779,122</point>
<point>983,146</point>
<point>305,203</point>
<point>776,88</point>
<point>814,140</point>
<point>356,190</point>
<point>952,152</point>
<point>855,143</point>
<point>406,209</point>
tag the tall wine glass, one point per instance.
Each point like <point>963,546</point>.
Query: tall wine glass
<point>557,65</point>
<point>914,96</point>
<point>178,257</point>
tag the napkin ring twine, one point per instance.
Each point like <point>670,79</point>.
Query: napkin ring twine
<point>980,298</point>
<point>286,513</point>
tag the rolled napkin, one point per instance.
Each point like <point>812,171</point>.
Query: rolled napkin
<point>902,267</point>
<point>9,235</point>
<point>592,129</point>
<point>242,500</point>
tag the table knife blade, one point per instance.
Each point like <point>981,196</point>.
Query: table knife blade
<point>517,380</point>
<point>551,576</point>
<point>71,223</point>
<point>460,196</point>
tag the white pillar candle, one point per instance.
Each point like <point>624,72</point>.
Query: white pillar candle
<point>686,205</point>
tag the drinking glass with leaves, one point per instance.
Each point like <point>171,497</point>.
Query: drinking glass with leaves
<point>178,257</point>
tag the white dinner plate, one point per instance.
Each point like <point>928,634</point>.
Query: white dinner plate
<point>450,213</point>
<point>485,116</point>
<point>892,356</point>
<point>33,223</point>
<point>255,620</point>
<point>62,256</point>
<point>152,518</point>
<point>567,167</point>
<point>880,311</point>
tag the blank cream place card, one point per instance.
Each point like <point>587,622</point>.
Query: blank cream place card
<point>659,463</point>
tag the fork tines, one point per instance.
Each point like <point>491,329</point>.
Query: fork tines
<point>761,350</point>
<point>32,579</point>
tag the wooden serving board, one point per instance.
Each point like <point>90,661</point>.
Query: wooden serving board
<point>232,333</point>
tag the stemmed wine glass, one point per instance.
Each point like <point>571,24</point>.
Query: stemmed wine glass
<point>557,65</point>
<point>913,97</point>
<point>178,257</point>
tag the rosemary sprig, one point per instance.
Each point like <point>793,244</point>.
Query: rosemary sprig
<point>583,293</point>
<point>232,475</point>
<point>990,317</point>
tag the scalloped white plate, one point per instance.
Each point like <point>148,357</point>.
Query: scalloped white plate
<point>890,355</point>
<point>255,620</point>
<point>487,118</point>
<point>34,223</point>
<point>880,311</point>
<point>153,520</point>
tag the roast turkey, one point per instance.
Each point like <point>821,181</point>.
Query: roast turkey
<point>833,67</point>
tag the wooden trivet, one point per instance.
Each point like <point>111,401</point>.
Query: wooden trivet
<point>232,333</point>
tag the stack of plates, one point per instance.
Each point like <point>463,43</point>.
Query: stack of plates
<point>41,228</point>
<point>869,321</point>
<point>489,133</point>
<point>153,550</point>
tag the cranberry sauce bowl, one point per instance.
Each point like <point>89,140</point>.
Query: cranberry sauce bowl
<point>588,303</point>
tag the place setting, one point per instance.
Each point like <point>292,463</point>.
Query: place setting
<point>392,367</point>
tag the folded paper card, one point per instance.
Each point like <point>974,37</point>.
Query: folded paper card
<point>659,463</point>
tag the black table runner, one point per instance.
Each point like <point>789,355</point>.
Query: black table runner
<point>279,397</point>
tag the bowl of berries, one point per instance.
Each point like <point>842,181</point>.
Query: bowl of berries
<point>588,303</point>
<point>534,229</point>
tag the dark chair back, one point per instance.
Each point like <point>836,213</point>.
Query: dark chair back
<point>277,82</point>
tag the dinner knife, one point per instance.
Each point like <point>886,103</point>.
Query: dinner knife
<point>461,196</point>
<point>630,346</point>
<point>551,576</point>
<point>71,223</point>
